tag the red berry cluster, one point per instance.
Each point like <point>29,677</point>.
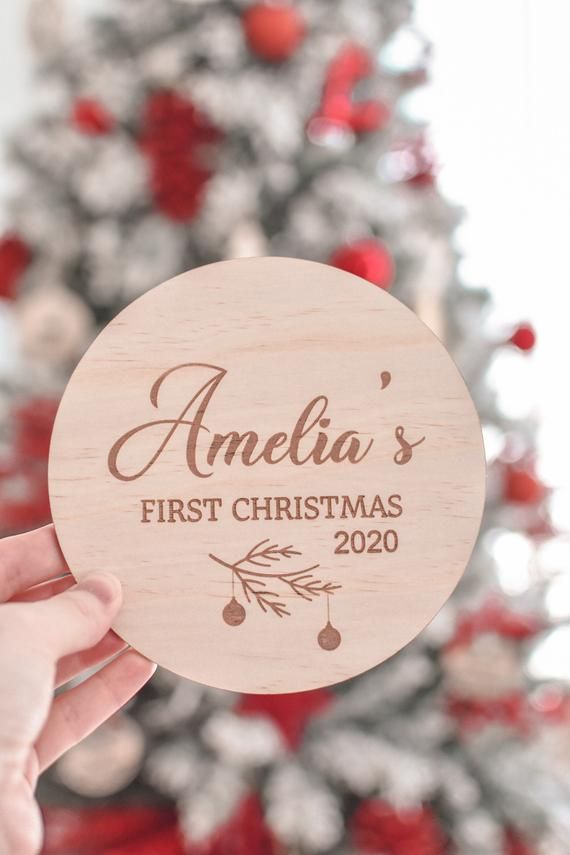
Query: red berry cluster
<point>493,617</point>
<point>510,708</point>
<point>521,485</point>
<point>14,259</point>
<point>337,106</point>
<point>91,118</point>
<point>524,337</point>
<point>24,501</point>
<point>472,714</point>
<point>175,137</point>
<point>378,827</point>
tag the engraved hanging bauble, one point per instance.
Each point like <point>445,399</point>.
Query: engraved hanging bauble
<point>234,613</point>
<point>329,637</point>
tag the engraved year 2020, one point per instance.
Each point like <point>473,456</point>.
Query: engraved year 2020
<point>371,541</point>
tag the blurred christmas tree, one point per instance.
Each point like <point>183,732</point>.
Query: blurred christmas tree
<point>173,133</point>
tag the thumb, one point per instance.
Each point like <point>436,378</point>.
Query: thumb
<point>71,621</point>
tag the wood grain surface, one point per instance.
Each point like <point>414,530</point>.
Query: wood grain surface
<point>280,462</point>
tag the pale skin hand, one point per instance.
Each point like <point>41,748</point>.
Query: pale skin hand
<point>50,631</point>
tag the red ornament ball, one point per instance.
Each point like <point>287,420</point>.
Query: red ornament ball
<point>369,259</point>
<point>33,420</point>
<point>91,118</point>
<point>524,337</point>
<point>522,486</point>
<point>14,258</point>
<point>273,31</point>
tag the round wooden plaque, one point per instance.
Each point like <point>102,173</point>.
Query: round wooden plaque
<point>280,462</point>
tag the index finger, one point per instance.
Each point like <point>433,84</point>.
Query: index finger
<point>28,559</point>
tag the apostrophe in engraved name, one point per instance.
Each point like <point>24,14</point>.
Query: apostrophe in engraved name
<point>254,575</point>
<point>385,379</point>
<point>406,450</point>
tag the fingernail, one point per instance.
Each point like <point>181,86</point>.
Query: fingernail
<point>104,586</point>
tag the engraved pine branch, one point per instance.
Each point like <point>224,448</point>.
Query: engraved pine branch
<point>255,582</point>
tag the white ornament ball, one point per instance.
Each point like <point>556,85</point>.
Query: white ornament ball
<point>54,325</point>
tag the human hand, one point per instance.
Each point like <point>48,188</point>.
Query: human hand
<point>52,630</point>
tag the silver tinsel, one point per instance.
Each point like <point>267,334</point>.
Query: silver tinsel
<point>116,84</point>
<point>301,810</point>
<point>53,150</point>
<point>114,180</point>
<point>242,742</point>
<point>212,802</point>
<point>365,764</point>
<point>175,768</point>
<point>56,237</point>
<point>371,697</point>
<point>151,253</point>
<point>232,198</point>
<point>478,833</point>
